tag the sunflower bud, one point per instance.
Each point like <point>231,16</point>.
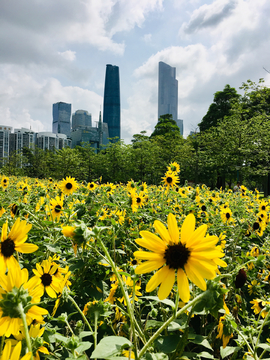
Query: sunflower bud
<point>240,279</point>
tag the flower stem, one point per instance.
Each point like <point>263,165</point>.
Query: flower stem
<point>165,325</point>
<point>133,321</point>
<point>80,311</point>
<point>25,327</point>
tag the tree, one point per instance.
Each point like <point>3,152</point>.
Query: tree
<point>166,125</point>
<point>221,107</point>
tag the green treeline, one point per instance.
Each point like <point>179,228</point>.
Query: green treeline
<point>233,143</point>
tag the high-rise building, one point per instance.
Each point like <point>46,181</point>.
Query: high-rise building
<point>61,118</point>
<point>111,103</point>
<point>167,91</point>
<point>180,124</point>
<point>81,119</point>
<point>4,142</point>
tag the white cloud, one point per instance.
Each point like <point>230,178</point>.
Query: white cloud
<point>68,55</point>
<point>147,38</point>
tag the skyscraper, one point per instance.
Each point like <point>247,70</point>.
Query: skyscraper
<point>61,118</point>
<point>167,90</point>
<point>81,119</point>
<point>111,103</point>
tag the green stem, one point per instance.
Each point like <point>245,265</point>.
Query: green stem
<point>95,332</point>
<point>259,335</point>
<point>248,346</point>
<point>80,311</point>
<point>25,326</point>
<point>2,344</point>
<point>166,324</point>
<point>133,321</point>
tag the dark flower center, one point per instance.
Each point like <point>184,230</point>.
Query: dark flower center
<point>169,180</point>
<point>256,226</point>
<point>203,208</point>
<point>68,186</point>
<point>46,279</point>
<point>138,200</point>
<point>91,185</point>
<point>14,209</point>
<point>260,304</point>
<point>176,256</point>
<point>57,208</point>
<point>5,180</point>
<point>263,207</point>
<point>134,262</point>
<point>7,248</point>
<point>228,215</point>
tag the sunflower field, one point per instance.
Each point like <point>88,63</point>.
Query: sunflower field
<point>132,271</point>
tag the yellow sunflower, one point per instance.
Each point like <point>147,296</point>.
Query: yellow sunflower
<point>174,167</point>
<point>259,306</point>
<point>190,253</point>
<point>56,206</point>
<point>10,353</point>
<point>15,289</point>
<point>68,185</point>
<point>4,182</point>
<point>45,274</point>
<point>91,186</point>
<point>14,241</point>
<point>170,179</point>
<point>226,215</point>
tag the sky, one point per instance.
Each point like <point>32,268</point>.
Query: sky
<point>57,50</point>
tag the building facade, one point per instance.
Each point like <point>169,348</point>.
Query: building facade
<point>180,124</point>
<point>111,102</point>
<point>81,119</point>
<point>5,132</point>
<point>61,118</point>
<point>167,91</point>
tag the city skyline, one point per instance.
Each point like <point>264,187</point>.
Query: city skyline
<point>58,51</point>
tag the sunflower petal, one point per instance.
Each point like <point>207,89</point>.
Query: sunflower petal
<point>147,255</point>
<point>26,248</point>
<point>195,276</point>
<point>197,236</point>
<point>149,266</point>
<point>156,279</point>
<point>151,241</point>
<point>187,228</point>
<point>183,285</point>
<point>167,284</point>
<point>162,230</point>
<point>173,229</point>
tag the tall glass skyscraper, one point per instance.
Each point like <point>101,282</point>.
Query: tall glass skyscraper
<point>61,118</point>
<point>111,103</point>
<point>81,119</point>
<point>167,90</point>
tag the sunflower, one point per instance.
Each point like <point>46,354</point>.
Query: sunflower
<point>17,289</point>
<point>259,307</point>
<point>226,215</point>
<point>10,353</point>
<point>174,167</point>
<point>45,275</point>
<point>91,186</point>
<point>68,185</point>
<point>14,241</point>
<point>193,256</point>
<point>56,207</point>
<point>4,182</point>
<point>224,330</point>
<point>138,200</point>
<point>264,206</point>
<point>170,179</point>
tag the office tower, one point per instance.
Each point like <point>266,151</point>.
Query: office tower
<point>4,143</point>
<point>111,103</point>
<point>81,119</point>
<point>61,118</point>
<point>180,124</point>
<point>167,90</point>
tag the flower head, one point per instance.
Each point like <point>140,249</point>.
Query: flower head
<point>68,185</point>
<point>189,253</point>
<point>14,241</point>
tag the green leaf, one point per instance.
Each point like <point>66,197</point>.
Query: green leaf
<point>61,338</point>
<point>85,333</point>
<point>152,324</point>
<point>110,346</point>
<point>264,346</point>
<point>228,351</point>
<point>165,301</point>
<point>206,355</point>
<point>200,340</point>
<point>157,356</point>
<point>83,346</point>
<point>167,344</point>
<point>173,326</point>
